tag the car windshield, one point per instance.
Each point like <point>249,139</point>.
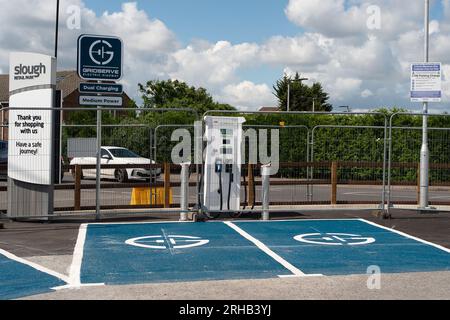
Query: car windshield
<point>123,153</point>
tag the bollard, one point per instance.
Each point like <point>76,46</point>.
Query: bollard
<point>77,188</point>
<point>184,190</point>
<point>166,185</point>
<point>265,175</point>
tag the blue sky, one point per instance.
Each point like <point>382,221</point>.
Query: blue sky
<point>236,21</point>
<point>238,49</point>
<point>213,20</point>
<point>257,21</point>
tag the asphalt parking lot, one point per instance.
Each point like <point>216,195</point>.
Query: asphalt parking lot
<point>279,193</point>
<point>52,245</point>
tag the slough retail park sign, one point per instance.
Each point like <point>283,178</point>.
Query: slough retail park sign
<point>32,82</point>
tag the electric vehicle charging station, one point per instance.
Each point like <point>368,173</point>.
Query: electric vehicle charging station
<point>222,173</point>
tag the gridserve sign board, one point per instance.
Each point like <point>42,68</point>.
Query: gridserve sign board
<point>100,58</point>
<point>426,82</point>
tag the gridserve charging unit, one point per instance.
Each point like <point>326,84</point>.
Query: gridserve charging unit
<point>222,180</point>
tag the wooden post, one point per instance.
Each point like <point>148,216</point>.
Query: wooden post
<point>251,182</point>
<point>334,180</point>
<point>166,185</point>
<point>77,196</point>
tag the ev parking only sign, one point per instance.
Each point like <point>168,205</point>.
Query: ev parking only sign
<point>100,58</point>
<point>426,82</point>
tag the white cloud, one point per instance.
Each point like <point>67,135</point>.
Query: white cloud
<point>357,66</point>
<point>309,49</point>
<point>340,18</point>
<point>147,41</point>
<point>366,93</point>
<point>211,64</point>
<point>247,95</point>
<point>328,17</point>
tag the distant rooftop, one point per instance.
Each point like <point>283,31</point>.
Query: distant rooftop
<point>269,109</point>
<point>66,81</point>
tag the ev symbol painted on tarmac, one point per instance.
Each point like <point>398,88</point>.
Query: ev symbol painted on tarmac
<point>99,54</point>
<point>167,242</point>
<point>334,239</point>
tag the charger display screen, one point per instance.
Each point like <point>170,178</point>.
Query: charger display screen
<point>226,150</point>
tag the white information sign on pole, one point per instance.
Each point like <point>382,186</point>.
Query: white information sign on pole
<point>101,101</point>
<point>426,82</point>
<point>31,84</point>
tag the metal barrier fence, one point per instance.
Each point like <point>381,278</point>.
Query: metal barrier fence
<point>99,183</point>
<point>318,174</point>
<point>404,160</point>
<point>325,159</point>
<point>359,154</point>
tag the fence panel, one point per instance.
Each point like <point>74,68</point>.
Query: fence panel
<point>131,176</point>
<point>359,156</point>
<point>344,149</point>
<point>404,172</point>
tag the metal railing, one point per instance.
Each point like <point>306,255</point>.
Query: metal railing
<point>338,160</point>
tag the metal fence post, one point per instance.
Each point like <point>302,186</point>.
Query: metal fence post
<point>265,175</point>
<point>385,151</point>
<point>311,170</point>
<point>184,190</point>
<point>251,183</point>
<point>389,173</point>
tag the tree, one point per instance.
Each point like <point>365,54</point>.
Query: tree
<point>302,97</point>
<point>177,94</point>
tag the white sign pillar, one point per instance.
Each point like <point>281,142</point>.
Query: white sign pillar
<point>32,85</point>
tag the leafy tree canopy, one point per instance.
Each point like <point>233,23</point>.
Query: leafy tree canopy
<point>302,97</point>
<point>178,94</point>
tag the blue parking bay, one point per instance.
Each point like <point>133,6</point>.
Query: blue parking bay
<point>163,252</point>
<point>19,280</point>
<point>341,247</point>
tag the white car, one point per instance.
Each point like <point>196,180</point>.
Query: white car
<point>118,155</point>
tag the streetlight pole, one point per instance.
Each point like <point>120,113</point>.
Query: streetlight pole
<point>289,90</point>
<point>346,107</point>
<point>56,28</point>
<point>288,95</point>
<point>424,151</point>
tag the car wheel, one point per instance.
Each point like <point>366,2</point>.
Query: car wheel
<point>121,176</point>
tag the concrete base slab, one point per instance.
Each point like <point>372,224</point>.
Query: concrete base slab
<point>406,286</point>
<point>60,264</point>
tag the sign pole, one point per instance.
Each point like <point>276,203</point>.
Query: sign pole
<point>98,165</point>
<point>425,152</point>
<point>56,29</point>
<point>100,59</point>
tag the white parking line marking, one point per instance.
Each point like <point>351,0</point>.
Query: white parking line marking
<point>77,259</point>
<point>34,265</point>
<point>407,235</point>
<point>295,271</point>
